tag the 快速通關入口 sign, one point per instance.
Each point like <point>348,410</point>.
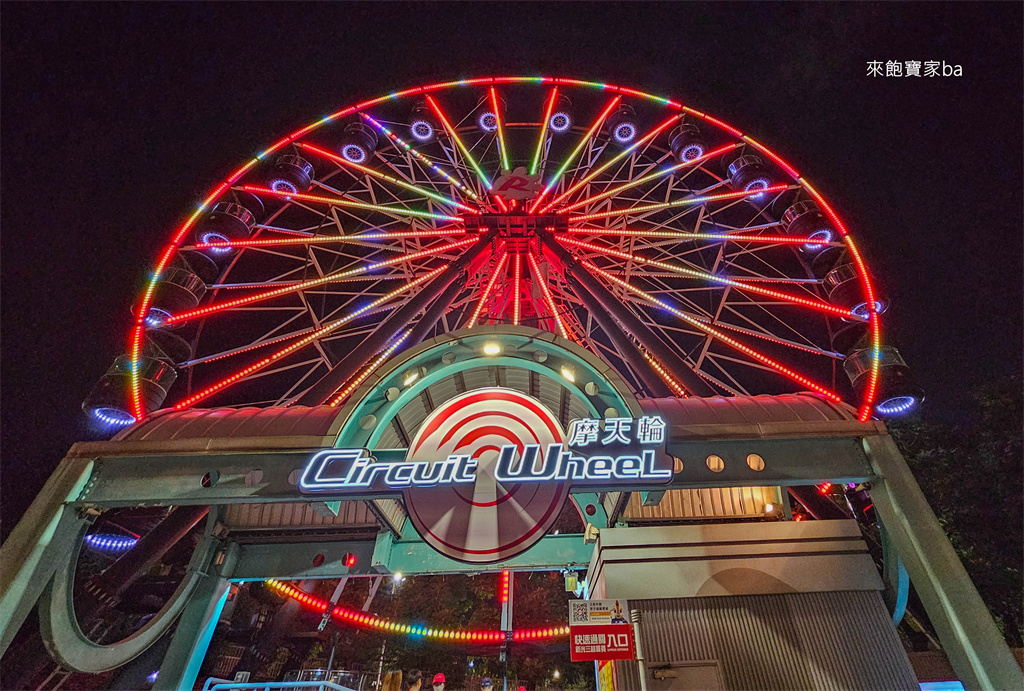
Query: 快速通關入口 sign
<point>599,630</point>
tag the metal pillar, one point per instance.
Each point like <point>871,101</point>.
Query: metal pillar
<point>630,322</point>
<point>117,577</point>
<point>655,385</point>
<point>973,644</point>
<point>195,628</point>
<point>39,543</point>
<point>435,312</point>
<point>321,392</point>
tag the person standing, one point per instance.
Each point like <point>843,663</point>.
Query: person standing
<point>413,680</point>
<point>392,681</point>
<point>438,682</point>
<point>486,684</point>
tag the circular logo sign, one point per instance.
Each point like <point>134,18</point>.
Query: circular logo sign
<point>485,521</point>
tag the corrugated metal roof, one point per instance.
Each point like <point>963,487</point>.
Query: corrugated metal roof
<point>292,427</point>
<point>801,414</point>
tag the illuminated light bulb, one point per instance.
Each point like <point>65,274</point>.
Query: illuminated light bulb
<point>156,316</point>
<point>410,378</point>
<point>822,236</point>
<point>283,186</point>
<point>560,122</point>
<point>896,405</point>
<point>397,578</point>
<point>353,153</point>
<point>625,132</point>
<point>488,121</point>
<point>207,238</point>
<point>422,130</point>
<point>492,349</point>
<point>769,507</point>
<point>568,374</point>
<point>757,184</point>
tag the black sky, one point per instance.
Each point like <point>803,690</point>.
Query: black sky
<point>117,118</point>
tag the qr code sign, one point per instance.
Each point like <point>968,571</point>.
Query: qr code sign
<point>580,612</point>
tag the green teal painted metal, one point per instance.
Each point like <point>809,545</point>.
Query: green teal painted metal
<point>973,644</point>
<point>466,348</point>
<point>895,577</point>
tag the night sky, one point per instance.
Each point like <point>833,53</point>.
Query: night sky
<point>117,118</point>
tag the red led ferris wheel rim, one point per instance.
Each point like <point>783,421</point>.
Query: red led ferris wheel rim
<point>489,84</point>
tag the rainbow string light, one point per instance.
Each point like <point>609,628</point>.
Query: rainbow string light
<point>649,177</point>
<point>314,282</point>
<point>420,157</point>
<point>342,161</point>
<point>676,235</point>
<point>763,359</point>
<point>301,343</point>
<point>575,152</point>
<point>552,98</point>
<point>768,292</point>
<point>604,166</point>
<point>370,369</point>
<point>495,105</point>
<point>439,635</point>
<point>686,201</point>
<point>458,141</point>
<point>139,327</point>
<point>334,201</point>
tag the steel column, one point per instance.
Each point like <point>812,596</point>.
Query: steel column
<point>973,644</point>
<point>195,629</point>
<point>321,392</point>
<point>630,322</point>
<point>435,312</point>
<point>117,577</point>
<point>39,543</point>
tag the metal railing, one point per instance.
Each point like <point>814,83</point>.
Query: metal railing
<point>213,684</point>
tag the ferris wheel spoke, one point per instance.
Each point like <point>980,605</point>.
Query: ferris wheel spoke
<point>686,201</point>
<point>402,146</point>
<point>492,95</point>
<point>486,294</point>
<point>548,299</point>
<point>301,343</point>
<point>683,236</point>
<point>368,239</point>
<point>805,302</point>
<point>644,179</point>
<point>718,335</point>
<point>454,136</point>
<point>381,358</point>
<point>587,138</point>
<point>341,161</point>
<point>549,109</point>
<point>345,273</point>
<point>334,201</point>
<point>647,138</point>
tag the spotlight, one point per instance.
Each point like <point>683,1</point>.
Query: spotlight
<point>492,349</point>
<point>622,124</point>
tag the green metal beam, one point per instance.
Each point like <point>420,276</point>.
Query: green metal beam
<point>176,480</point>
<point>301,560</point>
<point>969,636</point>
<point>551,553</point>
<point>39,544</point>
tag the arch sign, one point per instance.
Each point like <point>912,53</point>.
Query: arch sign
<point>489,471</point>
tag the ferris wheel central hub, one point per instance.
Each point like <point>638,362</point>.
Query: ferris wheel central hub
<point>514,227</point>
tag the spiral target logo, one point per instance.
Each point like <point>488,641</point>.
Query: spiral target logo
<point>487,521</point>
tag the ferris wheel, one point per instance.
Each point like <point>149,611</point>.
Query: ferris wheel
<point>682,252</point>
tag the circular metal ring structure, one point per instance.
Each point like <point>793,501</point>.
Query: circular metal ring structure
<point>695,252</point>
<point>69,645</point>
